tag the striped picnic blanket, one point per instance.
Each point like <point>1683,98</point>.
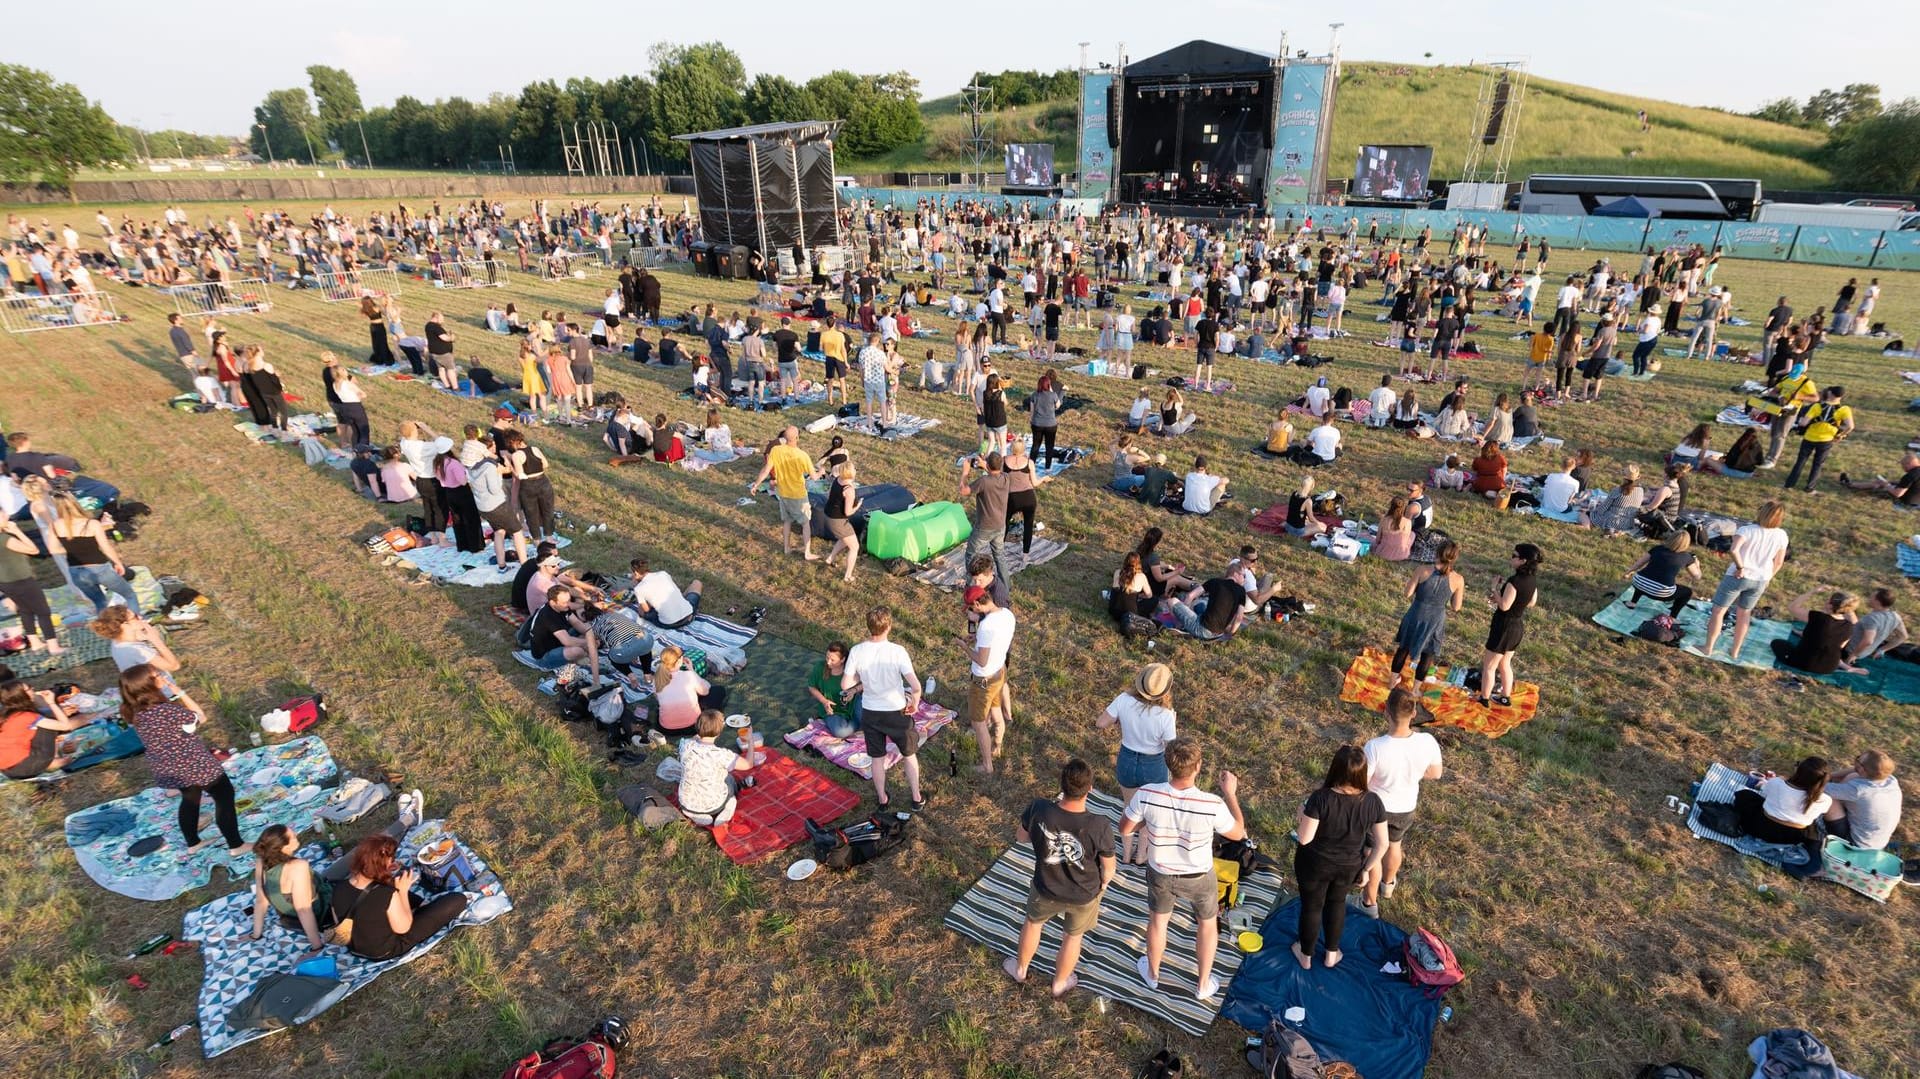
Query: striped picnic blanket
<point>725,643</point>
<point>948,572</point>
<point>903,426</point>
<point>1719,786</point>
<point>993,911</point>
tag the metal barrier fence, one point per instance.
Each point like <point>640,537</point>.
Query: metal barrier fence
<point>244,297</point>
<point>353,284</point>
<point>31,312</point>
<point>471,273</point>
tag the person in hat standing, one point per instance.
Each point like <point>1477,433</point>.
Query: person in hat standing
<point>1510,600</point>
<point>1148,724</point>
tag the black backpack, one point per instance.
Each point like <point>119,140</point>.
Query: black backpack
<point>1284,1054</point>
<point>857,844</point>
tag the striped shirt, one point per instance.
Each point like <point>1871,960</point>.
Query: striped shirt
<point>1179,825</point>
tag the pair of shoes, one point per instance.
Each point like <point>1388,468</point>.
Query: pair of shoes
<point>1503,700</point>
<point>413,808</point>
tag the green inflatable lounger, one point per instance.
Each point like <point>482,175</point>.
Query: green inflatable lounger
<point>919,533</point>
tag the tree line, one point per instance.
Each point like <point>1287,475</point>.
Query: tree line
<point>1869,147</point>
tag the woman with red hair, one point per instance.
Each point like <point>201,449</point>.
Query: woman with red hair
<point>377,896</point>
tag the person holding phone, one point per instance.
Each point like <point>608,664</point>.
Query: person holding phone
<point>388,921</point>
<point>167,721</point>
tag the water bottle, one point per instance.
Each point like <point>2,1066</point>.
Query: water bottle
<point>930,685</point>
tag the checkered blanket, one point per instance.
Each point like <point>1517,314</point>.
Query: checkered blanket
<point>771,815</point>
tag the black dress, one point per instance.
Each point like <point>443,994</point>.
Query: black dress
<point>256,396</point>
<point>1509,626</point>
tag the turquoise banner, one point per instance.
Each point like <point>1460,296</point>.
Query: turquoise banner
<point>1555,229</point>
<point>1613,233</point>
<point>1663,233</point>
<point>1752,240</point>
<point>1835,247</point>
<point>1296,140</point>
<point>1096,158</point>
<point>1900,251</point>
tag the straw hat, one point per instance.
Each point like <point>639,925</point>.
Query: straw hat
<point>1154,685</point>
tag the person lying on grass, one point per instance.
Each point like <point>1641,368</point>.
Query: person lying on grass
<point>1904,491</point>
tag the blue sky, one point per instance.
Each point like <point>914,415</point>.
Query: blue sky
<point>220,59</point>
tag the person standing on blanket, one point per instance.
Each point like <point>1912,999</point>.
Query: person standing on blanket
<point>881,672</point>
<point>489,489</point>
<point>377,897</point>
<point>987,666</point>
<point>1397,762</point>
<point>20,588</point>
<point>1826,423</point>
<point>1073,863</point>
<point>1344,837</point>
<point>1759,550</point>
<point>1510,599</point>
<point>790,468</point>
<point>1180,822</point>
<point>166,719</point>
<point>1145,715</point>
<point>1657,574</point>
<point>533,488</point>
<point>990,492</point>
<point>440,351</point>
<point>1435,590</point>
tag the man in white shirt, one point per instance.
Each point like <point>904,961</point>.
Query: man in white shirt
<point>1324,440</point>
<point>1565,307</point>
<point>997,313</point>
<point>659,599</point>
<point>1397,762</point>
<point>1648,340</point>
<point>1202,489</point>
<point>1319,397</point>
<point>1381,401</point>
<point>882,673</point>
<point>1866,801</point>
<point>987,664</point>
<point>1180,822</point>
<point>1558,490</point>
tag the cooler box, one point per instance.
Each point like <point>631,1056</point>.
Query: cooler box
<point>874,498</point>
<point>919,533</point>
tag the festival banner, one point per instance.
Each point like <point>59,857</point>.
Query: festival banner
<point>1296,142</point>
<point>1755,240</point>
<point>1663,233</point>
<point>1835,247</point>
<point>1096,158</point>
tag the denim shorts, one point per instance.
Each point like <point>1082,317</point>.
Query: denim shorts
<point>1738,592</point>
<point>1134,769</point>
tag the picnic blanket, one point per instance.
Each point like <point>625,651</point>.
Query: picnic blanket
<point>104,738</point>
<point>276,785</point>
<point>1736,416</point>
<point>1758,653</point>
<point>1377,1021</point>
<point>71,607</point>
<point>851,753</point>
<point>723,642</point>
<point>948,571</point>
<point>993,911</point>
<point>1109,370</point>
<point>236,964</point>
<point>1907,557</point>
<point>450,565</point>
<point>1719,786</point>
<point>771,815</point>
<point>903,426</point>
<point>1062,460</point>
<point>1369,680</point>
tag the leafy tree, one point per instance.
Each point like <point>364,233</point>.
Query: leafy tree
<point>172,143</point>
<point>695,88</point>
<point>1015,88</point>
<point>1781,110</point>
<point>1882,152</point>
<point>1839,108</point>
<point>776,98</point>
<point>835,94</point>
<point>886,115</point>
<point>339,103</point>
<point>289,121</point>
<point>49,130</point>
<point>541,114</point>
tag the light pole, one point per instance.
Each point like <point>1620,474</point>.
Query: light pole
<point>311,160</point>
<point>269,137</point>
<point>368,154</point>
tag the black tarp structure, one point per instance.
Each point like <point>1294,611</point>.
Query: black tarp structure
<point>767,187</point>
<point>1201,60</point>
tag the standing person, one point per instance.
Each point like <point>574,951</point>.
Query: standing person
<point>1510,599</point>
<point>534,489</point>
<point>882,673</point>
<point>182,343</point>
<point>791,468</point>
<point>843,501</point>
<point>1435,590</point>
<point>1343,839</point>
<point>94,564</point>
<point>987,667</point>
<point>1180,821</point>
<point>1145,715</point>
<point>490,501</point>
<point>352,406</point>
<point>1397,762</point>
<point>440,350</point>
<point>1072,865</point>
<point>376,316</point>
<point>1045,403</point>
<point>456,499</point>
<point>19,586</point>
<point>1795,392</point>
<point>1827,423</point>
<point>1759,550</point>
<point>989,492</point>
<point>833,353</point>
<point>166,719</point>
<point>1206,337</point>
<point>993,410</point>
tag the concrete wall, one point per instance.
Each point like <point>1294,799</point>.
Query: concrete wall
<point>269,189</point>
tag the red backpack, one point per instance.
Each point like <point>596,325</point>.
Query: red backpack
<point>566,1059</point>
<point>1430,963</point>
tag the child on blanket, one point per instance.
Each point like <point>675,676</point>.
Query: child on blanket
<point>709,782</point>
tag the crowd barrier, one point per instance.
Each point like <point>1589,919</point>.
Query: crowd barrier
<point>353,284</point>
<point>27,312</point>
<point>247,296</point>
<point>471,273</point>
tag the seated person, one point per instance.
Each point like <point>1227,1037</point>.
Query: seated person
<point>1131,592</point>
<point>1406,412</point>
<point>1904,491</point>
<point>1741,459</point>
<point>1450,476</point>
<point>1318,398</point>
<point>1616,512</point>
<point>286,884</point>
<point>1820,647</point>
<point>680,694</point>
<point>1322,445</point>
<point>1419,506</point>
<point>1669,500</point>
<point>1381,402</point>
<point>1526,420</point>
<point>1489,470</point>
<point>1877,632</point>
<point>377,895</point>
<point>1244,571</point>
<point>1557,493</point>
<point>671,354</point>
<point>707,785</point>
<point>628,435</point>
<point>642,348</point>
<point>1211,611</point>
<point>30,727</point>
<point>1866,801</point>
<point>1279,434</point>
<point>623,640</point>
<point>1300,519</point>
<point>1129,464</point>
<point>496,319</point>
<point>1394,535</point>
<point>522,597</point>
<point>668,446</point>
<point>557,636</point>
<point>1453,422</point>
<point>1783,810</point>
<point>1141,416</point>
<point>1158,483</point>
<point>1692,449</point>
<point>658,599</point>
<point>1175,419</point>
<point>839,710</point>
<point>1202,490</point>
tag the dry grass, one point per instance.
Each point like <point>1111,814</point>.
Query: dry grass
<point>1596,932</point>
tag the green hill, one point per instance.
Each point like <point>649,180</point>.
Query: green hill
<point>1563,128</point>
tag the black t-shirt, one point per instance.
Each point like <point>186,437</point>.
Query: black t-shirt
<point>1224,600</point>
<point>1910,483</point>
<point>436,346</point>
<point>642,350</point>
<point>35,463</point>
<point>1206,334</point>
<point>786,345</point>
<point>373,935</point>
<point>669,351</point>
<point>1345,820</point>
<point>1526,422</point>
<point>1664,565</point>
<point>547,626</point>
<point>1820,643</point>
<point>1067,849</point>
<point>1052,313</point>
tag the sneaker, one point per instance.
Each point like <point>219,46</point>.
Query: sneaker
<point>1208,989</point>
<point>408,818</point>
<point>1911,872</point>
<point>419,806</point>
<point>1146,973</point>
<point>655,739</point>
<point>1769,464</point>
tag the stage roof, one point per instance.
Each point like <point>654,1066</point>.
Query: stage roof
<point>1202,59</point>
<point>799,131</point>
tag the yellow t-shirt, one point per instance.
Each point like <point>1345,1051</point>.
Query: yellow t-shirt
<point>1795,393</point>
<point>1825,422</point>
<point>833,344</point>
<point>1542,348</point>
<point>790,467</point>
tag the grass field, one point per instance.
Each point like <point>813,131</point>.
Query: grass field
<point>1597,934</point>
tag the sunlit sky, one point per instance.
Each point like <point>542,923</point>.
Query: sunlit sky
<point>202,66</point>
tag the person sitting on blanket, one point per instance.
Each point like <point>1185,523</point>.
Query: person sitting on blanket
<point>1820,647</point>
<point>1450,476</point>
<point>1301,522</point>
<point>1140,416</point>
<point>839,709</point>
<point>1866,801</point>
<point>1130,594</point>
<point>1454,421</point>
<point>1322,445</point>
<point>627,434</point>
<point>680,694</point>
<point>559,635</point>
<point>30,727</point>
<point>1904,491</point>
<point>668,446</point>
<point>1318,398</point>
<point>1616,512</point>
<point>656,597</point>
<point>1073,862</point>
<point>1877,632</point>
<point>1783,810</point>
<point>377,896</point>
<point>708,772</point>
<point>1381,402</point>
<point>1214,609</point>
<point>1166,579</point>
<point>1202,490</point>
<point>1129,463</point>
<point>1175,418</point>
<point>1279,434</point>
<point>1406,412</point>
<point>1692,449</point>
<point>1489,470</point>
<point>1244,571</point>
<point>1741,459</point>
<point>285,883</point>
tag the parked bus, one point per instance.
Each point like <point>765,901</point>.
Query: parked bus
<point>1662,196</point>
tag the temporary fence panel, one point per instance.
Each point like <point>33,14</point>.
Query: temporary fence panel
<point>1835,247</point>
<point>1756,240</point>
<point>1556,229</point>
<point>244,297</point>
<point>1663,233</point>
<point>471,273</point>
<point>1613,233</point>
<point>1898,251</point>
<point>30,313</point>
<point>351,285</point>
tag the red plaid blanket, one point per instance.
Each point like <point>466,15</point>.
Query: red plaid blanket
<point>771,814</point>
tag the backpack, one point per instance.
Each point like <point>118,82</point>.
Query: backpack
<point>1720,817</point>
<point>843,848</point>
<point>564,1058</point>
<point>1430,963</point>
<point>523,633</point>
<point>304,712</point>
<point>1283,1053</point>
<point>1165,1064</point>
<point>1670,1070</point>
<point>1234,860</point>
<point>1659,629</point>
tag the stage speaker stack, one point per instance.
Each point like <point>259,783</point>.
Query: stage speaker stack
<point>1116,100</point>
<point>1497,113</point>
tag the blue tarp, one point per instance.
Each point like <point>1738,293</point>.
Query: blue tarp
<point>1379,1023</point>
<point>1624,207</point>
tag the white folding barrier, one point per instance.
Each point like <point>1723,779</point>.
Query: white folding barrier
<point>353,284</point>
<point>30,312</point>
<point>244,297</point>
<point>471,273</point>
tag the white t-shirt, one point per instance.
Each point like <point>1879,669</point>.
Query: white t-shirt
<point>1395,767</point>
<point>1382,399</point>
<point>1179,826</point>
<point>1317,399</point>
<point>1785,803</point>
<point>1650,327</point>
<point>658,591</point>
<point>883,670</point>
<point>1144,728</point>
<point>1141,406</point>
<point>1200,487</point>
<point>1325,440</point>
<point>995,634</point>
<point>1556,493</point>
<point>128,654</point>
<point>1758,547</point>
<point>704,768</point>
<point>1569,296</point>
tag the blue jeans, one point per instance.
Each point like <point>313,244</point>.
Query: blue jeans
<point>1189,619</point>
<point>1128,484</point>
<point>94,582</point>
<point>1641,352</point>
<point>1133,769</point>
<point>551,660</point>
<point>844,724</point>
<point>633,651</point>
